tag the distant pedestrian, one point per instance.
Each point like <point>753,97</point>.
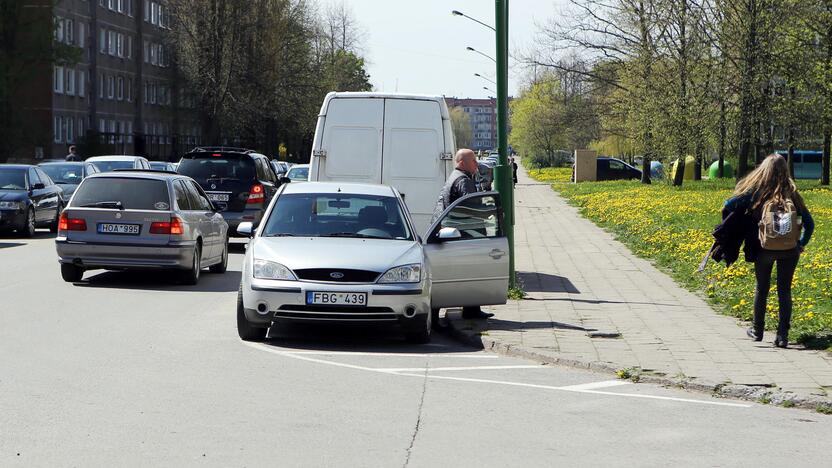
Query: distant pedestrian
<point>513,169</point>
<point>72,156</point>
<point>769,199</point>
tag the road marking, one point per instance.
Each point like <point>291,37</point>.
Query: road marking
<point>594,385</point>
<point>568,388</point>
<point>434,369</point>
<point>362,353</point>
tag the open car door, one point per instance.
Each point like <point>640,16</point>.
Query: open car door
<point>467,251</point>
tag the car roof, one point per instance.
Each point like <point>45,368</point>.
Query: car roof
<point>114,157</point>
<point>299,166</point>
<point>16,166</point>
<point>351,188</point>
<point>138,174</point>
<point>52,163</point>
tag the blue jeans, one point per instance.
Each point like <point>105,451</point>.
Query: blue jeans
<point>786,264</point>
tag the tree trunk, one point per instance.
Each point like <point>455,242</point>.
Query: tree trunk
<point>827,141</point>
<point>722,135</point>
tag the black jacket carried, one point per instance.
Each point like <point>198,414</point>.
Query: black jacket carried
<point>737,228</point>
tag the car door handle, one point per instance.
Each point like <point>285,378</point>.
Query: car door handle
<point>496,254</point>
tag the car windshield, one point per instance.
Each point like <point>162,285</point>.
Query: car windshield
<point>159,166</point>
<point>337,215</point>
<point>122,193</point>
<point>64,173</point>
<point>299,173</point>
<point>217,166</point>
<point>107,166</point>
<point>12,179</point>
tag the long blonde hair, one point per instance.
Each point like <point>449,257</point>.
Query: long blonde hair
<point>770,181</point>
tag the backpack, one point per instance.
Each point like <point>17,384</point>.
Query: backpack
<point>780,225</point>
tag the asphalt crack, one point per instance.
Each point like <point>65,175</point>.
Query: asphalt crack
<point>418,416</point>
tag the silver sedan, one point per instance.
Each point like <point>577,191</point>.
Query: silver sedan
<point>340,252</point>
<point>141,220</point>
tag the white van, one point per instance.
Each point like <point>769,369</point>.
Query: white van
<point>401,140</point>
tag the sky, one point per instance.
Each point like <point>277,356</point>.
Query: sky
<point>418,46</point>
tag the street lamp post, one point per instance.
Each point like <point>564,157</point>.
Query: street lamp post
<point>489,89</point>
<point>459,13</point>
<point>486,78</point>
<point>471,49</point>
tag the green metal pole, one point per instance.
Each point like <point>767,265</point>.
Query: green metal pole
<point>502,173</point>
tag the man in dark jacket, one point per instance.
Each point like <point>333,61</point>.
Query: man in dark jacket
<point>460,183</point>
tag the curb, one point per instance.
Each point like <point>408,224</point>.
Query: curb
<point>756,394</point>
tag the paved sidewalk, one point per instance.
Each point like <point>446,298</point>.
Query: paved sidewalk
<point>592,303</point>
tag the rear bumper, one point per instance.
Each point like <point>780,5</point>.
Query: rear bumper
<point>234,218</point>
<point>117,256</point>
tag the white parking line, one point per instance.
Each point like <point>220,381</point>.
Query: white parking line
<point>582,388</point>
<point>363,353</point>
<point>434,369</point>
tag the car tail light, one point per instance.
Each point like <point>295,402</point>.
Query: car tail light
<point>173,227</point>
<point>256,194</point>
<point>65,223</point>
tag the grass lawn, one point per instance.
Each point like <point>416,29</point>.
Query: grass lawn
<point>673,226</point>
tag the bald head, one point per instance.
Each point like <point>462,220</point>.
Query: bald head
<point>465,160</point>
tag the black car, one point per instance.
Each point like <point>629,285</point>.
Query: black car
<point>613,169</point>
<point>240,182</point>
<point>68,174</point>
<point>28,199</point>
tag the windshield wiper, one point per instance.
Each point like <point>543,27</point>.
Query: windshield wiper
<point>279,234</point>
<point>353,234</point>
<point>221,179</point>
<point>104,204</point>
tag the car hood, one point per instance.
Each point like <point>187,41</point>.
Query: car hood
<point>337,252</point>
<point>13,195</point>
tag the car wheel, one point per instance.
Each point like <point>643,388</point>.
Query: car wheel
<point>29,228</point>
<point>53,226</point>
<point>223,264</point>
<point>245,329</point>
<point>191,275</point>
<point>434,318</point>
<point>420,334</point>
<point>71,273</point>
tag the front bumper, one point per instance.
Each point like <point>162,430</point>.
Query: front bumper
<point>93,255</point>
<point>267,301</point>
<point>12,219</point>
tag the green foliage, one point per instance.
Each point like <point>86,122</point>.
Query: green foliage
<point>461,124</point>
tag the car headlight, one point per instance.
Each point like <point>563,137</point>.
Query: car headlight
<point>264,269</point>
<point>11,205</point>
<point>403,274</point>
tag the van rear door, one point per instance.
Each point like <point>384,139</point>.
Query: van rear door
<point>352,136</point>
<point>413,145</point>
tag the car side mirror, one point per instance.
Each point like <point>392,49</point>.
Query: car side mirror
<point>219,208</point>
<point>285,180</point>
<point>449,233</point>
<point>38,186</point>
<point>245,229</point>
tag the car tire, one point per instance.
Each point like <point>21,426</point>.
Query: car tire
<point>28,229</point>
<point>223,264</point>
<point>71,273</point>
<point>245,329</point>
<point>53,226</point>
<point>420,333</point>
<point>434,318</point>
<point>191,275</point>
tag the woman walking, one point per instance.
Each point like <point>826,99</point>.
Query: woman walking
<point>769,196</point>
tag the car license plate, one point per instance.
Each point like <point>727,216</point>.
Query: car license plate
<point>336,298</point>
<point>218,196</point>
<point>112,228</point>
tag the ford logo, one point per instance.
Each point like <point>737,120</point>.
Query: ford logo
<point>213,186</point>
<point>336,275</point>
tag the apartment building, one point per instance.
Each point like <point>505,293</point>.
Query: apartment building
<point>483,115</point>
<point>121,97</point>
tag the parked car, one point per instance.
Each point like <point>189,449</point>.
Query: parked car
<point>613,169</point>
<point>141,220</point>
<point>401,140</point>
<point>239,181</point>
<point>280,168</point>
<point>29,199</point>
<point>342,252</point>
<point>162,166</point>
<point>111,163</point>
<point>68,174</point>
<point>485,176</point>
<point>298,173</point>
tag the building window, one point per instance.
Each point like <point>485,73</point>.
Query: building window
<point>70,82</point>
<point>129,7</point>
<point>69,31</point>
<point>146,11</point>
<point>120,45</point>
<point>112,42</point>
<point>121,6</point>
<point>146,54</point>
<point>120,131</point>
<point>59,29</point>
<point>82,34</point>
<point>154,13</point>
<point>154,55</point>
<point>82,83</point>
<point>111,4</point>
<point>58,85</point>
<point>102,41</point>
<point>70,129</point>
<point>111,87</point>
<point>80,127</point>
<point>56,130</point>
<point>129,132</point>
<point>101,85</point>
<point>153,93</point>
<point>120,89</point>
<point>129,47</point>
<point>129,94</point>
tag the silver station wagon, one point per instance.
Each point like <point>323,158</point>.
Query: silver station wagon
<point>141,220</point>
<point>343,252</point>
